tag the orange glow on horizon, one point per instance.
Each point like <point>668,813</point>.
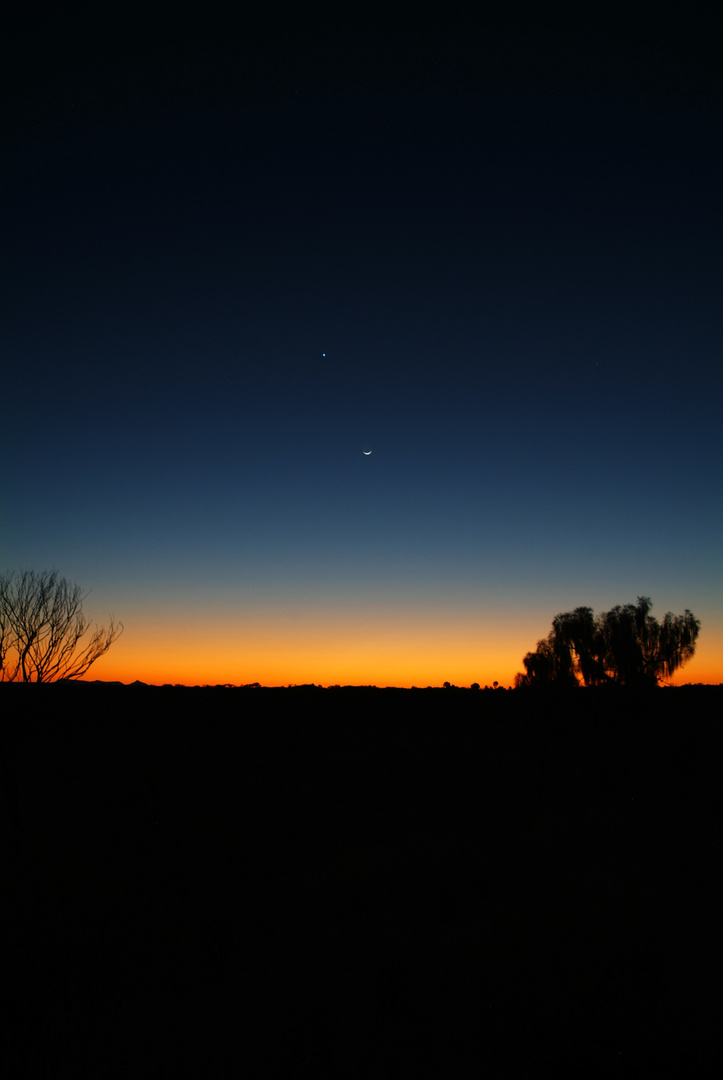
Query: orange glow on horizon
<point>399,651</point>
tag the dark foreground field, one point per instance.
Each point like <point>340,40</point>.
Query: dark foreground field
<point>368,883</point>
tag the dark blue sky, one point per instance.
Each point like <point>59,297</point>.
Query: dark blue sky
<point>236,255</point>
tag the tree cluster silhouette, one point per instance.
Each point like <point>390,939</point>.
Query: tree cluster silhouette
<point>625,646</point>
<point>42,626</point>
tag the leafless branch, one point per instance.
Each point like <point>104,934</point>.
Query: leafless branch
<point>42,626</point>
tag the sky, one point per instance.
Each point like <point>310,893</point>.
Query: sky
<point>237,254</point>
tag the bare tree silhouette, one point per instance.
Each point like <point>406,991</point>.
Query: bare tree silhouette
<point>626,646</point>
<point>42,626</point>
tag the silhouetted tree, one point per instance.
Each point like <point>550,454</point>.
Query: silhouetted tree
<point>42,626</point>
<point>626,646</point>
<point>548,665</point>
<point>635,649</point>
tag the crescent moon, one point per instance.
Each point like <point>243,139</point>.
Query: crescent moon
<point>367,452</point>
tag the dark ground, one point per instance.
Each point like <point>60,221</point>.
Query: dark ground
<point>365,883</point>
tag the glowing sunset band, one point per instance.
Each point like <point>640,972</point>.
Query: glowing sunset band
<point>328,651</point>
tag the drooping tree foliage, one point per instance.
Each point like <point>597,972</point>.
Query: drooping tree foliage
<point>625,646</point>
<point>44,634</point>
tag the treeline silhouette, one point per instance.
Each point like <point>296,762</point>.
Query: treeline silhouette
<point>625,647</point>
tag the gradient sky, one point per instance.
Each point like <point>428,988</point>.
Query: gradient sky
<point>237,255</point>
